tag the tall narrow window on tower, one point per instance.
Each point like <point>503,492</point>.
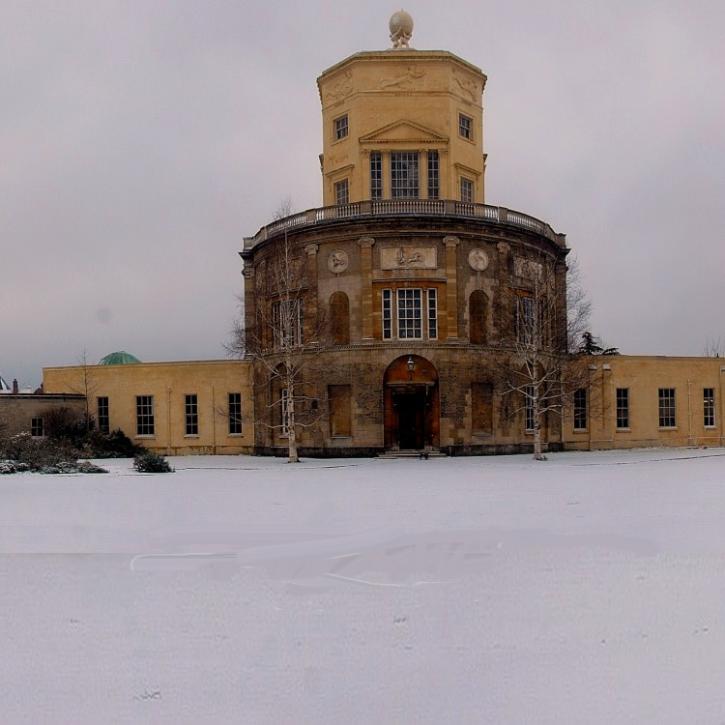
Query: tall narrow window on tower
<point>287,318</point>
<point>466,190</point>
<point>341,127</point>
<point>404,174</point>
<point>387,314</point>
<point>376,175</point>
<point>465,126</point>
<point>433,175</point>
<point>342,192</point>
<point>432,313</point>
<point>410,322</point>
<point>524,319</point>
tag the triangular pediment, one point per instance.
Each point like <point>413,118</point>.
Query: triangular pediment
<point>401,132</point>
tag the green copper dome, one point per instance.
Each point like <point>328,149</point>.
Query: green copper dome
<point>119,358</point>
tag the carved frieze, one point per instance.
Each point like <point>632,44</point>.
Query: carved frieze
<point>467,87</point>
<point>408,258</point>
<point>341,88</point>
<point>527,268</point>
<point>406,81</point>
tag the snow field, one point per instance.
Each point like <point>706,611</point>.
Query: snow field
<point>587,589</point>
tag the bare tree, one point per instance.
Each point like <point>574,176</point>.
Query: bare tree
<point>86,386</point>
<point>282,343</point>
<point>714,347</point>
<point>540,378</point>
<point>578,305</point>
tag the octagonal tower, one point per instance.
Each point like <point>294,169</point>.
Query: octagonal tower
<point>401,124</point>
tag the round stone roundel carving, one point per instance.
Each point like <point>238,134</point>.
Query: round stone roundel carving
<point>478,259</point>
<point>338,261</point>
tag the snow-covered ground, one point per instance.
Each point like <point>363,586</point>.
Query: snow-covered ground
<point>587,589</point>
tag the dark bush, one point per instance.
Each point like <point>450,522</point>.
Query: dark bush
<point>37,452</point>
<point>64,424</point>
<point>115,444</point>
<point>150,462</point>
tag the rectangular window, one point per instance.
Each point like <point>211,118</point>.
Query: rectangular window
<point>432,313</point>
<point>404,174</point>
<point>482,408</point>
<point>341,127</point>
<point>340,399</point>
<point>36,427</point>
<point>387,314</point>
<point>342,192</point>
<point>410,323</point>
<point>580,409</point>
<point>145,415</point>
<point>102,412</point>
<point>667,417</point>
<point>234,408</point>
<point>529,421</point>
<point>524,319</point>
<point>465,126</point>
<point>287,319</point>
<point>433,175</point>
<point>191,415</point>
<point>708,400</point>
<point>622,407</point>
<point>284,411</point>
<point>376,175</point>
<point>466,190</point>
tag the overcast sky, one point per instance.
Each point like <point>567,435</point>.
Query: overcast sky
<point>140,141</point>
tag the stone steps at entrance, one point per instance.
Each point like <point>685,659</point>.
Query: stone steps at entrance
<point>412,454</point>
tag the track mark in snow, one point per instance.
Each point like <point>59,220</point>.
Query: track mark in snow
<point>383,584</point>
<point>200,557</point>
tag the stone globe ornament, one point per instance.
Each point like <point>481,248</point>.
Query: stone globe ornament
<point>401,29</point>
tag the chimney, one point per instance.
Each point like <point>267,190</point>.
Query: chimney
<point>15,386</point>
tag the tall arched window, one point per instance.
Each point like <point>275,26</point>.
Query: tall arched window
<point>340,318</point>
<point>477,311</point>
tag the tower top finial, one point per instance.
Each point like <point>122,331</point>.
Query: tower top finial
<point>401,29</point>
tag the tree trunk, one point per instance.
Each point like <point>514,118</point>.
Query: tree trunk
<point>291,432</point>
<point>538,453</point>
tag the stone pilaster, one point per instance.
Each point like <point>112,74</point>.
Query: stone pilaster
<point>311,318</point>
<point>250,298</point>
<point>451,244</point>
<point>366,286</point>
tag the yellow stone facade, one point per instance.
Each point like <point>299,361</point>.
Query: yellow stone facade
<point>698,407</point>
<point>168,384</point>
<point>402,101</point>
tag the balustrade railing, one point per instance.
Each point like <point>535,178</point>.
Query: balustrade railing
<point>402,207</point>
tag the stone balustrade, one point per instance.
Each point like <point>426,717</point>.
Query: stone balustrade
<point>406,207</point>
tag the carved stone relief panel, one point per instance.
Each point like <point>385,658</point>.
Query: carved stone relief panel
<point>527,268</point>
<point>408,258</point>
<point>478,260</point>
<point>338,261</point>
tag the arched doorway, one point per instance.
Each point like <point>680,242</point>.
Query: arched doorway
<point>412,406</point>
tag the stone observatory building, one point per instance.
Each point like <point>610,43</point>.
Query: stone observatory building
<point>404,314</point>
<point>401,295</point>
